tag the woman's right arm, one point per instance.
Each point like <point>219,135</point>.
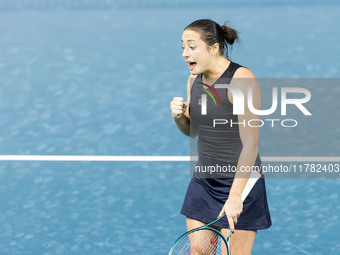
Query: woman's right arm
<point>180,112</point>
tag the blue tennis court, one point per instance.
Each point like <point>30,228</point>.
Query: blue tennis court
<point>96,78</point>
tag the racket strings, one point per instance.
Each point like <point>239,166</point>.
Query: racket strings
<point>201,242</point>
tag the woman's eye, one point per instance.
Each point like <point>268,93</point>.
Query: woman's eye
<point>192,48</point>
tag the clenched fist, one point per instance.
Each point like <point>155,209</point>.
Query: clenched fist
<point>178,107</point>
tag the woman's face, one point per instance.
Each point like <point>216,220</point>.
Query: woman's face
<point>195,52</point>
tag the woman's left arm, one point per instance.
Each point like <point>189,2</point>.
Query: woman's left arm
<point>244,79</point>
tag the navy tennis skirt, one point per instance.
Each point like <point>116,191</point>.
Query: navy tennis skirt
<point>206,197</point>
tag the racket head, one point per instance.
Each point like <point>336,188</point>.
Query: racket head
<point>204,240</point>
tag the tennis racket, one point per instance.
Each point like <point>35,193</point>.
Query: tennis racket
<point>207,240</point>
<point>202,240</point>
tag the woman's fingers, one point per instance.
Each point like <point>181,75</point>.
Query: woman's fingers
<point>178,107</point>
<point>221,213</point>
<point>235,220</point>
<point>177,103</point>
<point>231,217</point>
<point>231,224</point>
<point>232,220</point>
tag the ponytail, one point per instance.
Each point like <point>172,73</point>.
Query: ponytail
<point>230,34</point>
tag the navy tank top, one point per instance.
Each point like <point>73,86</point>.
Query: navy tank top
<point>222,143</point>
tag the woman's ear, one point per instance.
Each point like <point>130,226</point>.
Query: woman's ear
<point>214,49</point>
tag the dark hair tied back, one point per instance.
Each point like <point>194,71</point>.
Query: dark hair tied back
<point>212,33</point>
<point>229,33</point>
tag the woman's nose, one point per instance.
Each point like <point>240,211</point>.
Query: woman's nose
<point>185,53</point>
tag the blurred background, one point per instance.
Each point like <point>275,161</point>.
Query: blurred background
<point>96,77</point>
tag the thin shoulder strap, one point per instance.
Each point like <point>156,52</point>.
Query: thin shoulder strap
<point>231,70</point>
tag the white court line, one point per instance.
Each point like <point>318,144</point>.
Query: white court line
<point>150,158</point>
<point>90,158</point>
<point>251,182</point>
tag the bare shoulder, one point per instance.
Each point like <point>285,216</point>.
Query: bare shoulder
<point>191,80</point>
<point>243,72</point>
<point>244,78</point>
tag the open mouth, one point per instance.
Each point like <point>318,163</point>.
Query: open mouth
<point>192,65</point>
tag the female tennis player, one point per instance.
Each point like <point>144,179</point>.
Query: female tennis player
<point>234,144</point>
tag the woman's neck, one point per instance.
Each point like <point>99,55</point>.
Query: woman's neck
<point>217,69</point>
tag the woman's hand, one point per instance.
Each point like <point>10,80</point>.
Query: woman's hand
<point>232,208</point>
<point>178,107</point>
